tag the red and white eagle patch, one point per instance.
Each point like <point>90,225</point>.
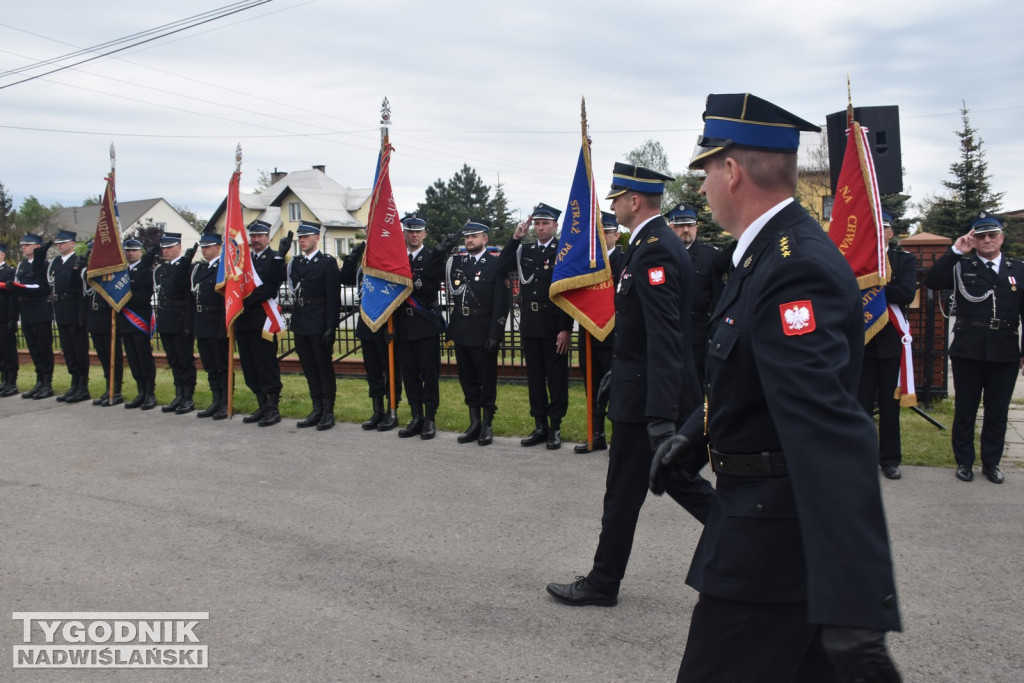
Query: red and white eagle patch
<point>656,276</point>
<point>797,318</point>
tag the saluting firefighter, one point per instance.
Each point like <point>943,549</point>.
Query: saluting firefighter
<point>545,329</point>
<point>985,352</point>
<point>315,282</point>
<point>418,327</point>
<point>207,309</point>
<point>480,301</point>
<point>36,312</point>
<point>68,301</point>
<point>135,324</point>
<point>257,355</point>
<point>174,321</point>
<point>8,329</point>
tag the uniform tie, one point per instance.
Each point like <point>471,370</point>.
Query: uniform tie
<point>991,265</point>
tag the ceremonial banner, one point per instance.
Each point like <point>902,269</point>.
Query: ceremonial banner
<point>108,268</point>
<point>856,227</point>
<point>581,282</point>
<point>236,278</point>
<point>387,276</point>
<point>275,320</point>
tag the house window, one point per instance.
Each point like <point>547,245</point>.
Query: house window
<point>161,226</point>
<point>294,211</point>
<point>342,245</point>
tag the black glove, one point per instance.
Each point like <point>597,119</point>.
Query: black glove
<point>40,251</point>
<point>659,430</point>
<point>604,389</point>
<point>285,245</point>
<point>670,456</point>
<point>329,342</point>
<point>449,242</point>
<point>84,261</point>
<point>190,253</point>
<point>388,337</point>
<point>491,347</point>
<point>859,654</point>
<point>357,251</point>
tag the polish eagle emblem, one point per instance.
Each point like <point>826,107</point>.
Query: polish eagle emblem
<point>797,318</point>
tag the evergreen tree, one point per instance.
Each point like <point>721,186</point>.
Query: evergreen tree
<point>969,191</point>
<point>34,216</point>
<point>9,234</point>
<point>448,205</point>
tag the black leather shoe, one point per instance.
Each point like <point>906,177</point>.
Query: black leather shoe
<point>222,412</point>
<point>486,435</point>
<point>46,391</point>
<point>186,406</point>
<point>255,416</point>
<point>993,474</point>
<point>208,411</point>
<point>270,418</point>
<point>326,422</point>
<point>554,439</point>
<point>429,429</point>
<point>31,393</point>
<point>580,592</point>
<point>891,472</point>
<point>471,434</point>
<point>135,402</point>
<point>172,406</point>
<point>148,403</point>
<point>8,390</point>
<point>964,473</point>
<point>536,436</point>
<point>600,444</point>
<point>414,427</point>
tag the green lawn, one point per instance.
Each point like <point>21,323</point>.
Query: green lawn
<point>923,444</point>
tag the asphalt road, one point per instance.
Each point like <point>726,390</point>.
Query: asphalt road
<point>354,556</point>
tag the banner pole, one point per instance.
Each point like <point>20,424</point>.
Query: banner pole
<point>113,346</point>
<point>590,392</point>
<point>390,338</point>
<point>231,368</point>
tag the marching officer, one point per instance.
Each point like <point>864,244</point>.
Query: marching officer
<point>880,374</point>
<point>707,282</point>
<point>174,320</point>
<point>418,327</point>
<point>481,299</point>
<point>546,330</point>
<point>68,300</point>
<point>209,325</point>
<point>97,324</point>
<point>315,282</point>
<point>135,324</point>
<point>258,355</point>
<point>793,569</point>
<point>985,352</point>
<point>8,329</point>
<point>36,312</point>
<point>602,350</point>
<point>376,360</point>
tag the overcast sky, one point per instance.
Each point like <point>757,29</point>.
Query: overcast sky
<point>493,85</point>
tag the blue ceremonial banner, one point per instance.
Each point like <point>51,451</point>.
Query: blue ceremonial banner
<point>581,282</point>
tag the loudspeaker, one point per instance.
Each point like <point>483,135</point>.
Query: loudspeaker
<point>883,124</point>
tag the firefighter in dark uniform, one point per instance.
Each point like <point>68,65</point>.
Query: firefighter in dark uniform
<point>653,383</point>
<point>206,308</point>
<point>880,374</point>
<point>8,328</point>
<point>376,360</point>
<point>68,300</point>
<point>135,324</point>
<point>418,327</point>
<point>985,352</point>
<point>36,312</point>
<point>258,355</point>
<point>793,568</point>
<point>601,350</point>
<point>707,283</point>
<point>171,280</point>
<point>97,324</point>
<point>545,329</point>
<point>480,301</point>
<point>315,282</point>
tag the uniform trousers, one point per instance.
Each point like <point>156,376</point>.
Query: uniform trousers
<point>878,380</point>
<point>547,375</point>
<point>420,363</point>
<point>478,375</point>
<point>316,366</point>
<point>629,468</point>
<point>74,344</point>
<point>741,642</point>
<point>600,366</point>
<point>375,360</point>
<point>180,358</point>
<point>139,352</point>
<point>101,342</point>
<point>39,340</point>
<point>213,352</point>
<point>971,379</point>
<point>9,349</point>
<point>258,357</point>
